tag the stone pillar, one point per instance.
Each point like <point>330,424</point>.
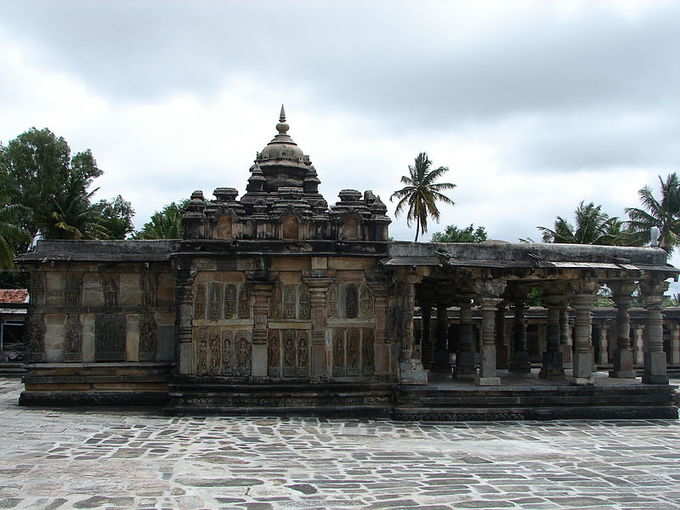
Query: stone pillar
<point>583,344</point>
<point>441,351</point>
<point>565,336</point>
<point>487,359</point>
<point>385,362</point>
<point>184,317</point>
<point>603,344</point>
<point>520,354</point>
<point>501,348</point>
<point>426,341</point>
<point>465,357</point>
<point>638,352</point>
<point>675,344</point>
<point>411,369</point>
<point>623,354</point>
<point>654,358</point>
<point>318,289</point>
<point>262,292</point>
<point>552,357</point>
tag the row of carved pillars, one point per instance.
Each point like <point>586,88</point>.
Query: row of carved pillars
<point>557,337</point>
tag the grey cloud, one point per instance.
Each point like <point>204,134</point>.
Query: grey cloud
<point>382,61</point>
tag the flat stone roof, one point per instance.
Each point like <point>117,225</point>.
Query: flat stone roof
<point>101,251</point>
<point>498,254</point>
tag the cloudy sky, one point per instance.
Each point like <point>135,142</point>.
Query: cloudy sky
<point>534,106</point>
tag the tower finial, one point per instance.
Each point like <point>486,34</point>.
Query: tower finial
<point>282,116</point>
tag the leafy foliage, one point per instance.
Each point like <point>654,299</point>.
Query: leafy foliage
<point>164,224</point>
<point>12,235</point>
<point>115,216</point>
<point>421,193</point>
<point>663,213</point>
<point>54,190</point>
<point>453,234</point>
<point>592,227</point>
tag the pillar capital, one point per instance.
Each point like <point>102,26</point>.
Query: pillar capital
<point>583,301</point>
<point>653,287</point>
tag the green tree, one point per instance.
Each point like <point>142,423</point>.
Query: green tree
<point>12,235</point>
<point>164,224</point>
<point>421,193</point>
<point>592,227</point>
<point>663,213</point>
<point>453,234</point>
<point>38,172</point>
<point>115,216</point>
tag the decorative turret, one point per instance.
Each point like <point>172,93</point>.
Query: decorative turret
<point>282,201</point>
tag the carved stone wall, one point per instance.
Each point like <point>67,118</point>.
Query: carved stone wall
<point>353,352</point>
<point>289,353</point>
<point>222,351</point>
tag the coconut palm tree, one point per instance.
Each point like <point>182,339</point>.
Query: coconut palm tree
<point>164,224</point>
<point>422,193</point>
<point>592,227</point>
<point>663,213</point>
<point>11,233</point>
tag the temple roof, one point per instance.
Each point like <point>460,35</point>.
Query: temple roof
<point>282,146</point>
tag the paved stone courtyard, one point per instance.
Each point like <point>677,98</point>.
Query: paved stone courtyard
<point>53,459</point>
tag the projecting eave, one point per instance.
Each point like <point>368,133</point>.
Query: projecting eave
<point>499,255</point>
<point>99,251</point>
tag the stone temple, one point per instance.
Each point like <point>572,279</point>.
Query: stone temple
<point>279,303</point>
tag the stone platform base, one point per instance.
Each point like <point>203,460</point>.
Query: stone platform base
<point>301,399</point>
<point>85,384</point>
<point>535,403</point>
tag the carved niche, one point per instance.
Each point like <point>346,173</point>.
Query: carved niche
<point>36,332</point>
<point>332,301</point>
<point>290,228</point>
<point>290,301</point>
<point>73,338</point>
<point>72,288</point>
<point>243,353</point>
<point>353,351</point>
<point>338,352</point>
<point>199,301</point>
<point>149,288</point>
<point>244,302</point>
<point>215,348</point>
<point>110,289</point>
<point>351,301</point>
<point>109,337</point>
<point>227,360</point>
<point>366,306</point>
<point>37,291</point>
<point>148,338</point>
<point>368,354</point>
<point>215,298</point>
<point>224,227</point>
<point>350,228</point>
<point>305,308</point>
<point>201,343</point>
<point>276,298</point>
<point>230,302</point>
<point>274,354</point>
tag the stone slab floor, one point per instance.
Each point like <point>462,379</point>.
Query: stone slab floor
<point>134,459</point>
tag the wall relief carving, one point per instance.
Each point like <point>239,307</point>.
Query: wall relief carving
<point>110,288</point>
<point>73,338</point>
<point>148,338</point>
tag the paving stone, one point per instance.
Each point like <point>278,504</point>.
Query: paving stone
<point>108,459</point>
